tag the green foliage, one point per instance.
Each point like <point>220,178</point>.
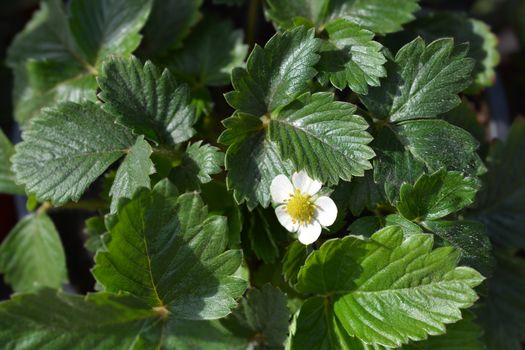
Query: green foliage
<point>7,178</point>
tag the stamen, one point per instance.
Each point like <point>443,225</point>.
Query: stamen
<point>301,207</point>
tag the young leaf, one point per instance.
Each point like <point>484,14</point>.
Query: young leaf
<point>275,74</point>
<point>32,256</point>
<point>204,60</point>
<point>262,318</point>
<point>324,137</point>
<point>350,57</point>
<point>66,149</point>
<point>423,82</point>
<point>198,163</point>
<point>133,173</point>
<point>389,289</point>
<point>146,100</point>
<point>502,198</point>
<point>165,251</point>
<point>59,321</point>
<point>7,178</point>
<point>437,195</point>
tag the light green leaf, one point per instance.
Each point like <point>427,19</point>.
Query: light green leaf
<point>7,178</point>
<point>66,149</point>
<point>275,74</point>
<point>501,202</point>
<point>423,81</point>
<point>324,137</point>
<point>169,23</point>
<point>437,195</point>
<point>389,289</point>
<point>165,251</point>
<point>261,319</point>
<point>133,173</point>
<point>58,321</point>
<point>198,163</point>
<point>502,311</point>
<point>204,60</point>
<point>350,57</point>
<point>439,144</point>
<point>32,256</point>
<point>147,100</point>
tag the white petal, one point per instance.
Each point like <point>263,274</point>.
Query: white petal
<point>281,189</point>
<point>309,233</point>
<point>285,219</point>
<point>305,183</point>
<point>325,211</point>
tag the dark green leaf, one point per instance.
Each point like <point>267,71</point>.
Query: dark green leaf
<point>32,256</point>
<point>360,193</point>
<point>365,226</point>
<point>293,260</point>
<point>201,335</point>
<point>7,178</point>
<point>265,233</point>
<point>95,229</point>
<point>147,100</point>
<point>437,195</point>
<point>66,149</point>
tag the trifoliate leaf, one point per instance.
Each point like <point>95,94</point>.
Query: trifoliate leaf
<point>463,335</point>
<point>324,137</point>
<point>275,74</point>
<point>32,256</point>
<point>165,251</point>
<point>437,195</point>
<point>102,28</point>
<point>198,163</point>
<point>350,57</point>
<point>501,201</point>
<point>133,173</point>
<point>56,56</point>
<point>379,16</point>
<point>66,149</point>
<point>59,321</point>
<point>468,237</point>
<point>502,311</point>
<point>7,178</point>
<point>261,319</point>
<point>482,42</point>
<point>439,144</point>
<point>147,100</point>
<point>422,82</point>
<point>169,23</point>
<point>389,289</point>
<point>204,60</point>
<point>252,160</point>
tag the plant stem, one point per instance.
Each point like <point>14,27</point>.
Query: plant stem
<point>253,11</point>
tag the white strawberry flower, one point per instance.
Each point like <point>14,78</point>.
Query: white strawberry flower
<point>299,208</point>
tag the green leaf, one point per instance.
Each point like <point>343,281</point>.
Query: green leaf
<point>463,335</point>
<point>501,201</point>
<point>275,74</point>
<point>422,82</point>
<point>389,289</point>
<point>265,233</point>
<point>293,260</point>
<point>350,57</point>
<point>360,193</point>
<point>66,149</point>
<point>252,160</point>
<point>262,318</point>
<point>169,23</point>
<point>365,226</point>
<point>482,42</point>
<point>198,163</point>
<point>146,100</point>
<point>324,137</point>
<point>95,229</point>
<point>379,16</point>
<point>102,28</point>
<point>133,173</point>
<point>201,335</point>
<point>502,312</point>
<point>7,178</point>
<point>32,256</point>
<point>59,321</point>
<point>437,195</point>
<point>457,148</point>
<point>165,251</point>
<point>204,60</point>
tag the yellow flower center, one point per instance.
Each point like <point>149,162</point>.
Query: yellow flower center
<point>300,207</point>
